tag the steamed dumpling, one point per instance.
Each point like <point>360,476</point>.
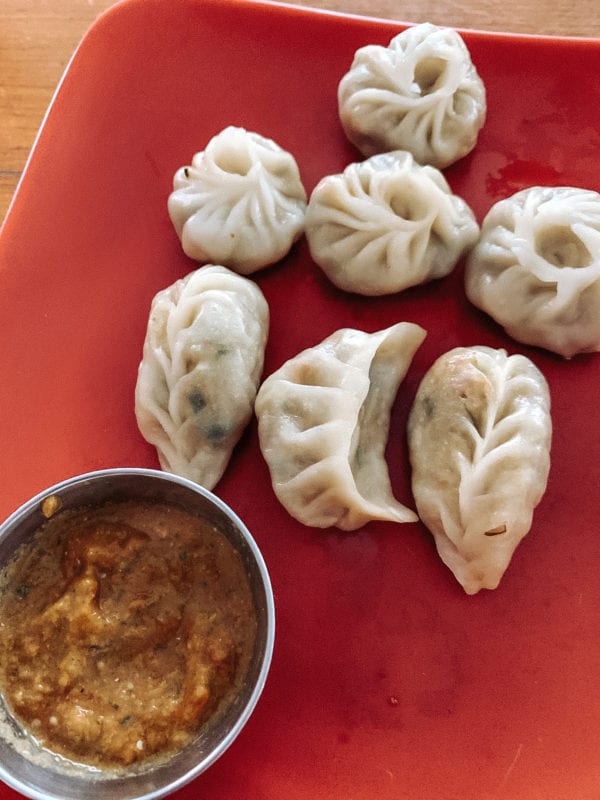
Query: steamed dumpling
<point>323,422</point>
<point>420,93</point>
<point>536,268</point>
<point>387,223</point>
<point>202,362</point>
<point>241,203</point>
<point>479,437</point>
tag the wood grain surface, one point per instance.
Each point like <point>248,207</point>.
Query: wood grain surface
<point>37,38</point>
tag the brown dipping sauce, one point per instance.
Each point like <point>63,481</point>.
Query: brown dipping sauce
<point>123,628</point>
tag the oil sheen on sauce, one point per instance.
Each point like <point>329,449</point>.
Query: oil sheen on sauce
<point>123,629</point>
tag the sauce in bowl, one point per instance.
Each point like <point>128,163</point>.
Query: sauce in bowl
<point>123,629</point>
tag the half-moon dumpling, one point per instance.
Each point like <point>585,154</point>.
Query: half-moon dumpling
<point>387,223</point>
<point>201,366</point>
<point>420,93</point>
<point>479,436</point>
<point>536,268</point>
<point>323,423</point>
<point>241,203</point>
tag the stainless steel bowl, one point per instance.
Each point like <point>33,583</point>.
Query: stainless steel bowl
<point>37,773</point>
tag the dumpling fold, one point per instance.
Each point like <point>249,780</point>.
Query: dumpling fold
<point>323,423</point>
<point>202,362</point>
<point>387,223</point>
<point>479,436</point>
<point>240,203</point>
<point>536,268</point>
<point>421,93</point>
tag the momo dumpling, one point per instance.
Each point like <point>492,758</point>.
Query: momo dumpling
<point>536,268</point>
<point>202,362</point>
<point>420,93</point>
<point>387,223</point>
<point>323,423</point>
<point>241,203</point>
<point>479,436</point>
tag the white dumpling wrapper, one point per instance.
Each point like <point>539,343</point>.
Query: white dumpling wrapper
<point>241,203</point>
<point>421,93</point>
<point>479,436</point>
<point>202,363</point>
<point>323,423</point>
<point>386,224</point>
<point>536,268</point>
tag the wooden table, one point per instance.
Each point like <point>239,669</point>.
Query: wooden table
<point>37,38</point>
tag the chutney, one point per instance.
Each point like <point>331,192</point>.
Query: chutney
<point>123,629</point>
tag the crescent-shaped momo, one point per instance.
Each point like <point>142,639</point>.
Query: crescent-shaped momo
<point>479,437</point>
<point>420,93</point>
<point>202,362</point>
<point>536,268</point>
<point>323,423</point>
<point>241,203</point>
<point>386,224</point>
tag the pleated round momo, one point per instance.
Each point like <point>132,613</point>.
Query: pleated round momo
<point>536,268</point>
<point>387,223</point>
<point>479,436</point>
<point>202,362</point>
<point>241,203</point>
<point>323,423</point>
<point>420,93</point>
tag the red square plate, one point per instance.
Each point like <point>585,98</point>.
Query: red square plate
<point>387,682</point>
